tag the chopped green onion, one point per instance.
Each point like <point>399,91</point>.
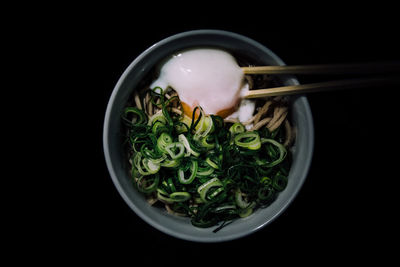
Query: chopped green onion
<point>158,128</point>
<point>204,127</point>
<point>181,127</point>
<point>204,172</point>
<point>279,182</point>
<point>151,166</point>
<point>180,196</point>
<point>237,128</point>
<point>239,200</point>
<point>212,163</point>
<point>204,143</point>
<point>204,188</point>
<point>204,223</point>
<point>157,117</point>
<point>266,193</point>
<point>147,184</point>
<point>193,172</point>
<point>171,185</point>
<point>189,151</point>
<point>158,90</point>
<point>250,140</point>
<point>175,150</point>
<point>164,196</point>
<point>282,151</point>
<point>245,212</point>
<point>201,167</point>
<point>170,163</point>
<point>139,117</point>
<point>194,123</point>
<point>266,180</point>
<point>163,141</point>
<point>245,206</point>
<point>225,208</point>
<point>138,162</point>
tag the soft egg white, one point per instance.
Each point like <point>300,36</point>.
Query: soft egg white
<point>210,78</point>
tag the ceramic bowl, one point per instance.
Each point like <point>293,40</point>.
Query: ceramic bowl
<point>117,161</point>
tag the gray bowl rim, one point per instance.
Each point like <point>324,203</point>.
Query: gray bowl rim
<point>120,189</point>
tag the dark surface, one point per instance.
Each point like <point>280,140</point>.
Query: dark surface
<point>343,211</point>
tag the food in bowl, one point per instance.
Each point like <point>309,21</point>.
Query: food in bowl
<point>197,148</point>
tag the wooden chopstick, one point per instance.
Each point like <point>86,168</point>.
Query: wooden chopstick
<point>321,86</point>
<point>352,68</point>
<point>386,67</point>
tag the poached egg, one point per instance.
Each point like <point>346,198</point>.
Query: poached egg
<point>206,77</point>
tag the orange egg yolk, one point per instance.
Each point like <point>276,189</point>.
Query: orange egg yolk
<point>188,110</point>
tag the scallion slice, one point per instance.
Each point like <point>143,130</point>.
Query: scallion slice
<point>193,172</point>
<point>189,151</point>
<point>282,151</point>
<point>147,184</point>
<point>175,150</point>
<point>134,115</point>
<point>249,140</point>
<point>204,188</point>
<point>180,196</point>
<point>163,141</point>
<point>237,128</point>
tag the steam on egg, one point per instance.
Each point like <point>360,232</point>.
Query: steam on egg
<point>210,78</point>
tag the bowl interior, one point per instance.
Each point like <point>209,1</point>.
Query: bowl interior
<point>117,162</point>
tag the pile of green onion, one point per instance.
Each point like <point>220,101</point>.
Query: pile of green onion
<point>201,167</point>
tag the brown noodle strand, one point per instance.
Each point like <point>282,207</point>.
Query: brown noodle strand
<point>147,102</point>
<point>278,112</point>
<point>137,101</point>
<point>262,111</point>
<point>173,93</point>
<point>171,211</point>
<point>289,134</point>
<point>261,123</point>
<point>152,200</point>
<point>277,123</point>
<point>231,120</point>
<point>177,111</point>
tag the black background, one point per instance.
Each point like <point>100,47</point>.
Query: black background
<point>344,210</point>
